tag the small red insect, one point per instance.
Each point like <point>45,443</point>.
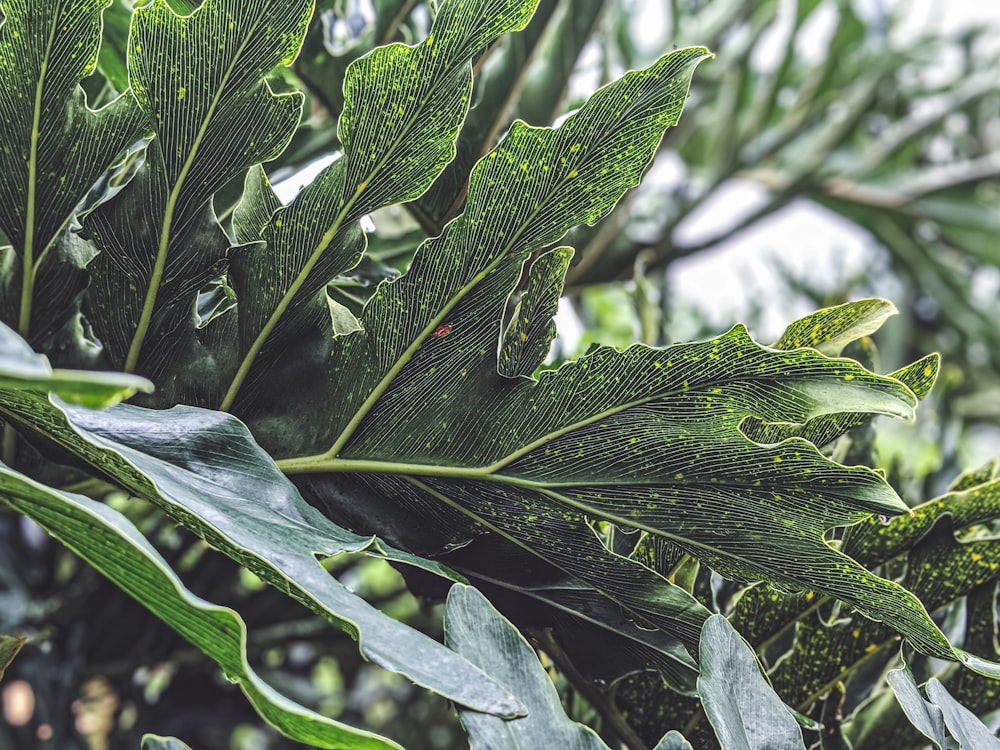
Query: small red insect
<point>442,330</point>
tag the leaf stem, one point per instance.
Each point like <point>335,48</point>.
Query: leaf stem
<point>285,302</point>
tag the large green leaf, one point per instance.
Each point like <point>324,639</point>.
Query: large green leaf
<point>403,107</point>
<point>107,540</point>
<point>53,148</point>
<point>199,80</point>
<point>480,634</point>
<point>204,470</point>
<point>643,438</point>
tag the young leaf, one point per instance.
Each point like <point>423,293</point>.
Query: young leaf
<point>53,147</point>
<point>743,709</point>
<point>107,540</point>
<point>205,471</point>
<point>479,633</point>
<point>402,111</point>
<point>831,329</point>
<point>214,116</point>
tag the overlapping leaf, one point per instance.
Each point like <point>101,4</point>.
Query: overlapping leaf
<point>403,107</point>
<point>199,80</point>
<point>644,438</point>
<point>205,471</point>
<point>108,541</point>
<point>939,569</point>
<point>53,148</point>
<point>743,709</point>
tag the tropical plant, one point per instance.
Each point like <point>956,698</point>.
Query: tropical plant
<point>303,413</point>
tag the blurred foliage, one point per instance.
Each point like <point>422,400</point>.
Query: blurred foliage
<point>805,101</point>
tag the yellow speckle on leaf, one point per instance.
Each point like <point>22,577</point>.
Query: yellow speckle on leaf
<point>572,174</point>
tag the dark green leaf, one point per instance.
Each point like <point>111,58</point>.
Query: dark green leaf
<point>402,111</point>
<point>480,634</point>
<point>214,116</point>
<point>745,712</point>
<point>53,147</point>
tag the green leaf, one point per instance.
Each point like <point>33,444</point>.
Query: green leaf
<point>214,116</point>
<point>153,742</point>
<point>107,540</point>
<point>931,716</point>
<point>645,438</point>
<point>963,725</point>
<point>53,147</point>
<point>529,336</point>
<point>206,472</point>
<point>10,647</point>
<point>402,112</point>
<point>479,633</point>
<point>744,710</point>
<point>673,740</point>
<point>943,563</point>
<point>21,368</point>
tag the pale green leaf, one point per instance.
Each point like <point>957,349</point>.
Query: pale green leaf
<point>154,742</point>
<point>205,471</point>
<point>743,709</point>
<point>107,540</point>
<point>21,368</point>
<point>673,740</point>
<point>482,635</point>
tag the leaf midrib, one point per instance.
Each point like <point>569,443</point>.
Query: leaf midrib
<point>28,262</point>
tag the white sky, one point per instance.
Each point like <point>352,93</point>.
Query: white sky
<point>804,238</point>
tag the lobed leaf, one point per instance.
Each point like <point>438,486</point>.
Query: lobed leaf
<point>199,80</point>
<point>645,438</point>
<point>403,107</point>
